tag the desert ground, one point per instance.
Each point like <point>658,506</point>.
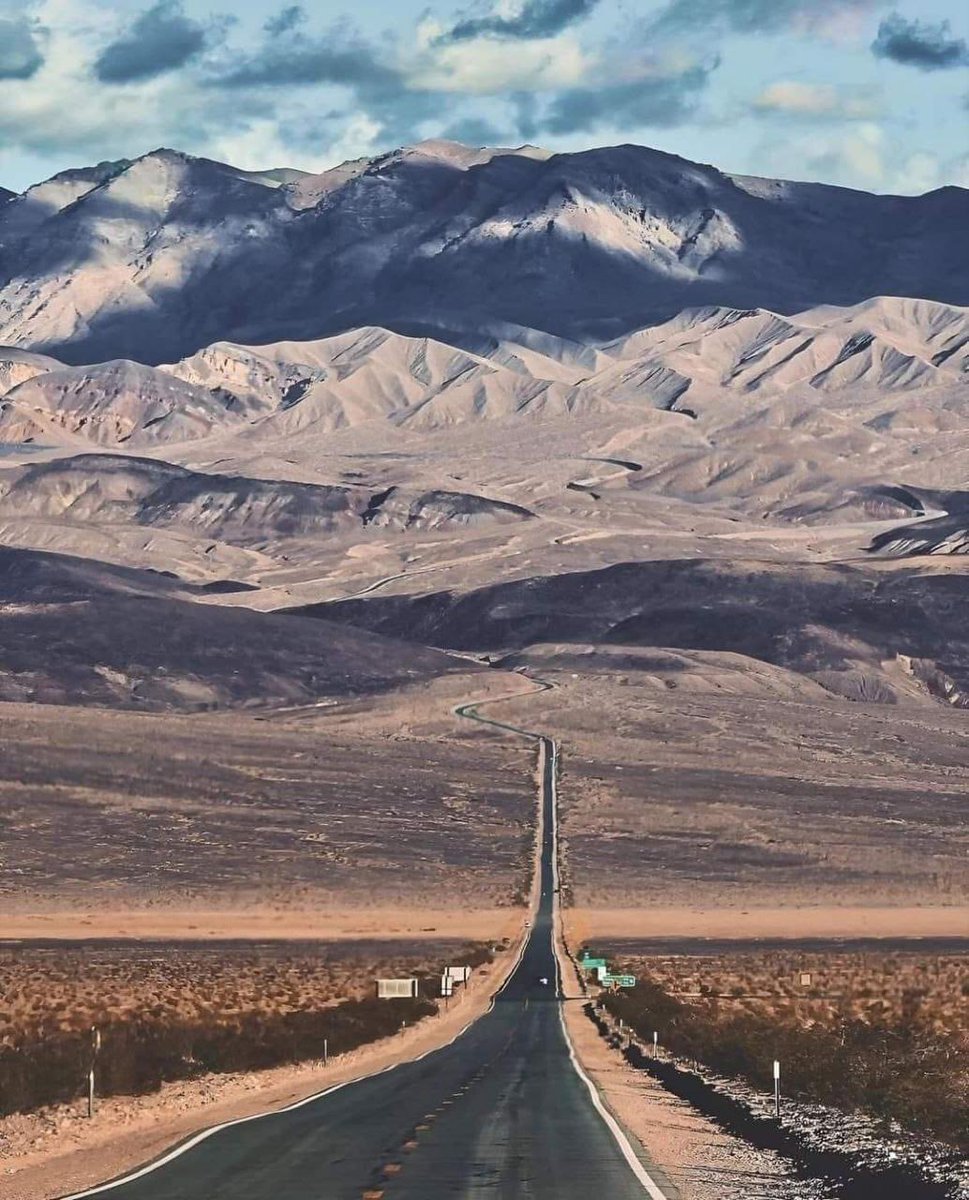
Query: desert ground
<point>221,817</point>
<point>877,1027</point>
<point>710,783</point>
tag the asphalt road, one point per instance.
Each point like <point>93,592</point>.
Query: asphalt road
<point>500,1112</point>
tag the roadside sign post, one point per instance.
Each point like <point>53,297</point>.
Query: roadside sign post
<point>777,1089</point>
<point>95,1051</point>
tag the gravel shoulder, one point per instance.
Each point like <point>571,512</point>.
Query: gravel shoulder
<point>690,1157</point>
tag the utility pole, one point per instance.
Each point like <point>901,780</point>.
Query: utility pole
<point>95,1051</point>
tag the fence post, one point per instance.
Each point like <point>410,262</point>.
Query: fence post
<point>95,1051</point>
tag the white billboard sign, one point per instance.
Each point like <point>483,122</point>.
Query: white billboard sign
<point>394,989</point>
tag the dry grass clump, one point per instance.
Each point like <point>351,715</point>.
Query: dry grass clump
<point>823,988</point>
<point>173,1012</point>
<point>886,1034</point>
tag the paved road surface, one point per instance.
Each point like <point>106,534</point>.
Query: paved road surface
<point>501,1112</point>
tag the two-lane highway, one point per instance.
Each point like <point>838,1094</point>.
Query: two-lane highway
<point>502,1111</point>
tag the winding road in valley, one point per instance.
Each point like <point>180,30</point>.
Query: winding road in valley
<point>503,1110</point>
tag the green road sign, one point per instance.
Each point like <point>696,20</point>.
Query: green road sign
<point>592,964</point>
<point>607,980</point>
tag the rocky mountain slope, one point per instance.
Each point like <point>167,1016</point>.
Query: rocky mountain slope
<point>75,632</point>
<point>17,366</point>
<point>859,634</point>
<point>155,259</point>
<point>688,364</point>
<point>105,490</point>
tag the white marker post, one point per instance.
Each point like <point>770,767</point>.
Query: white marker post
<point>326,1054</point>
<point>95,1051</point>
<point>655,1044</point>
<point>777,1089</point>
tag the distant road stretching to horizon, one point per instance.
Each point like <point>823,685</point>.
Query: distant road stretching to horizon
<point>502,1111</point>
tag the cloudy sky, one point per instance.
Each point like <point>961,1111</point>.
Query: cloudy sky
<point>866,93</point>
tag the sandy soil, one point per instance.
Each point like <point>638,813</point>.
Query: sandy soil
<point>47,1154</point>
<point>587,924</point>
<point>328,924</point>
<point>701,1161</point>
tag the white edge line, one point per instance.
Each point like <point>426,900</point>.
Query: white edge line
<point>651,1187</point>
<point>649,1184</point>
<point>184,1148</point>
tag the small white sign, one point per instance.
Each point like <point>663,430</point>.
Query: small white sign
<point>394,989</point>
<point>777,1069</point>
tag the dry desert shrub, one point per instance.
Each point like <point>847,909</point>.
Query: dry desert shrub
<point>176,1012</point>
<point>883,1034</point>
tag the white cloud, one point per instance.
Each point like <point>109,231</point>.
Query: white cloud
<point>924,172</point>
<point>67,114</point>
<point>957,171</point>
<point>260,146</point>
<point>813,101</point>
<point>487,67</point>
<point>360,136</point>
<point>852,159</point>
<point>863,155</point>
<point>918,173</point>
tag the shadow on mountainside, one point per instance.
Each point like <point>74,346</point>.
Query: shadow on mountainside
<point>811,619</point>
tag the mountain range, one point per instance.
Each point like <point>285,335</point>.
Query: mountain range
<point>510,369</point>
<point>155,258</point>
<point>876,349</point>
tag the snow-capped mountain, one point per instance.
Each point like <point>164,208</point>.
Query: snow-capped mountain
<point>157,258</point>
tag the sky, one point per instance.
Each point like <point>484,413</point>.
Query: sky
<point>870,94</point>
